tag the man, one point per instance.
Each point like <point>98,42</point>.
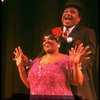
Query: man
<point>71,20</point>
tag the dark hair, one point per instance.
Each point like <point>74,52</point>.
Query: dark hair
<point>49,32</point>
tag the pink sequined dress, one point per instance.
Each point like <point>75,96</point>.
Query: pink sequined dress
<point>51,79</point>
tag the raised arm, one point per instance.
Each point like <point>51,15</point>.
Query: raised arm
<point>77,55</point>
<point>26,60</point>
<point>20,64</point>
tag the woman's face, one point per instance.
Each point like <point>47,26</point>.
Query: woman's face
<point>50,44</point>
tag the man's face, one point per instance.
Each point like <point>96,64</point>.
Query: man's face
<point>70,17</point>
<point>50,44</point>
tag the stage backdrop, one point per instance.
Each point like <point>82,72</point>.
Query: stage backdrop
<point>23,23</point>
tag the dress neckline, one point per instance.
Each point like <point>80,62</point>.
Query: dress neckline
<point>44,65</point>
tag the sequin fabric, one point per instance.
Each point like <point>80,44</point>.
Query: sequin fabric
<point>50,79</point>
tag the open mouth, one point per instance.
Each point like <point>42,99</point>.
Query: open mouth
<point>66,17</point>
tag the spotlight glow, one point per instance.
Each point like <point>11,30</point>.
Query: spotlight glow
<point>2,0</point>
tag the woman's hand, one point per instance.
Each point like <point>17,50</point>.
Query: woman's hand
<point>20,63</point>
<point>26,61</point>
<point>19,53</point>
<point>18,56</point>
<point>78,54</point>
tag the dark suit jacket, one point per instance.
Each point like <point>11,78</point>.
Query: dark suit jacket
<point>88,38</point>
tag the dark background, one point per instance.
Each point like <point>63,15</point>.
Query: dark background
<point>23,23</point>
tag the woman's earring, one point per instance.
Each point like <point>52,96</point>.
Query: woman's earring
<point>58,45</point>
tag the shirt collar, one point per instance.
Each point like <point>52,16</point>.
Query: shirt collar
<point>70,29</point>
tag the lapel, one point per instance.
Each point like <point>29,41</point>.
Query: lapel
<point>75,32</point>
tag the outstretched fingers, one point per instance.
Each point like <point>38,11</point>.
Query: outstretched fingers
<point>20,50</point>
<point>85,51</point>
<point>80,48</point>
<point>17,53</point>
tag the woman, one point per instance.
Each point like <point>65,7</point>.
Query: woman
<point>53,72</point>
